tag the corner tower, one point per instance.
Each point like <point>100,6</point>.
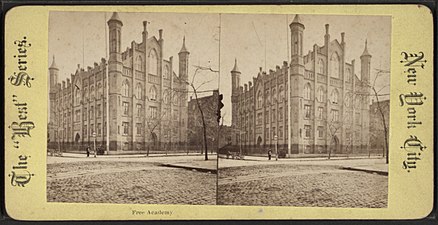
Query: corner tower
<point>115,68</point>
<point>365,64</point>
<point>183,56</point>
<point>297,86</point>
<point>53,79</point>
<point>235,84</point>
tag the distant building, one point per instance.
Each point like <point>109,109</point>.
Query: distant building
<point>377,133</point>
<point>329,104</point>
<point>147,100</point>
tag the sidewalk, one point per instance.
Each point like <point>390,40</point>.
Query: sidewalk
<point>80,155</point>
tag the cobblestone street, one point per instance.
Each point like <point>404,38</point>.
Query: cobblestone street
<point>128,182</point>
<point>301,185</point>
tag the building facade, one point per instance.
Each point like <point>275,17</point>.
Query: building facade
<point>147,101</point>
<point>314,104</point>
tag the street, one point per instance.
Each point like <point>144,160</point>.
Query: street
<point>141,180</point>
<point>304,183</point>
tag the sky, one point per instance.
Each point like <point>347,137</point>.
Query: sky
<point>79,38</point>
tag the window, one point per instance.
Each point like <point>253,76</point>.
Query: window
<point>138,125</point>
<point>92,93</point>
<point>358,118</point>
<point>335,96</point>
<point>99,90</point>
<point>334,115</point>
<point>259,118</point>
<point>347,100</point>
<point>320,113</point>
<point>348,75</point>
<point>92,130</point>
<point>78,115</point>
<point>85,93</point>
<point>85,130</point>
<point>321,66</point>
<point>307,128</point>
<point>85,114</point>
<point>99,111</point>
<point>280,114</point>
<point>321,94</point>
<point>138,91</point>
<point>334,65</point>
<point>307,91</point>
<point>166,72</point>
<point>280,132</point>
<point>125,88</point>
<point>125,126</point>
<point>139,63</point>
<point>274,95</point>
<point>259,99</point>
<point>273,115</point>
<point>77,95</point>
<point>281,93</point>
<point>267,116</point>
<point>320,131</point>
<point>125,108</point>
<point>153,112</point>
<point>153,93</point>
<point>91,112</point>
<point>153,62</point>
<point>307,111</point>
<point>99,129</point>
<point>139,109</point>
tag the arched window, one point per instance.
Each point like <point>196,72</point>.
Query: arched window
<point>139,63</point>
<point>166,97</point>
<point>153,93</point>
<point>307,91</point>
<point>77,96</point>
<point>281,93</point>
<point>125,88</point>
<point>335,96</point>
<point>92,93</point>
<point>85,94</point>
<point>153,62</point>
<point>138,91</point>
<point>267,97</point>
<point>99,90</point>
<point>259,99</point>
<point>274,95</point>
<point>348,75</point>
<point>321,66</point>
<point>166,72</point>
<point>321,94</point>
<point>347,100</point>
<point>334,65</point>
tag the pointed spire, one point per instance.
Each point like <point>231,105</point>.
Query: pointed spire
<point>296,21</point>
<point>115,17</point>
<point>53,66</point>
<point>365,51</point>
<point>183,49</point>
<point>235,69</point>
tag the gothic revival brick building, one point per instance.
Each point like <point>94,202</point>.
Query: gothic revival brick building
<point>313,104</point>
<point>147,100</point>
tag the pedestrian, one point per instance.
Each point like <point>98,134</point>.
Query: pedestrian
<point>269,154</point>
<point>88,151</point>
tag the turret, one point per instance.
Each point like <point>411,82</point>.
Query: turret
<point>296,29</point>
<point>365,61</point>
<point>235,79</point>
<point>115,37</point>
<point>184,61</point>
<point>53,75</point>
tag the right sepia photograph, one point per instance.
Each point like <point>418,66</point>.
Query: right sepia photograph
<point>306,110</point>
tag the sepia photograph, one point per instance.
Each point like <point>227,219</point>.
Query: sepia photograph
<point>132,108</point>
<point>308,97</point>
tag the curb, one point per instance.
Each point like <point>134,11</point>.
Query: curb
<point>201,169</point>
<point>383,173</point>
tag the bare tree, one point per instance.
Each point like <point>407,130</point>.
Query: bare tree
<point>196,89</point>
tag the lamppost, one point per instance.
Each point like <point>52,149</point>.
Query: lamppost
<point>94,143</point>
<point>276,148</point>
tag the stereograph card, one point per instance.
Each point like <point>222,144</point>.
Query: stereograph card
<point>219,112</point>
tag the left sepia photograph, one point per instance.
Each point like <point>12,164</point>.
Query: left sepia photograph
<point>132,108</point>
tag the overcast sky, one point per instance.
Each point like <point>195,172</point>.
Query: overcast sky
<point>79,38</point>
